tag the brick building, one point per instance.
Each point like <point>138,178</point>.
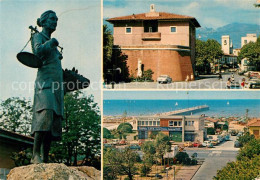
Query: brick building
<point>160,41</point>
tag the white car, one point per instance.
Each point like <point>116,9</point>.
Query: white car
<point>164,79</point>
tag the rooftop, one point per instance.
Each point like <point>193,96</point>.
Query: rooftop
<point>155,16</point>
<point>254,122</point>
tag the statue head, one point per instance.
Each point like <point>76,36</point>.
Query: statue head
<point>48,20</point>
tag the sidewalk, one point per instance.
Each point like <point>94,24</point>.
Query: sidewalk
<point>183,173</point>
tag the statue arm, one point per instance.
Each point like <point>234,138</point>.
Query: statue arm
<point>42,48</point>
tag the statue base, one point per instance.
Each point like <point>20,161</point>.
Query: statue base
<point>45,171</point>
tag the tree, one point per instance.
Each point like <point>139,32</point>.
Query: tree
<point>81,131</point>
<point>106,133</point>
<point>206,52</point>
<point>120,163</point>
<point>245,138</point>
<point>114,61</point>
<point>251,51</point>
<point>162,145</point>
<point>16,115</point>
<point>250,149</point>
<point>247,165</point>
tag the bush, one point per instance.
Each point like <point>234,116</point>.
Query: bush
<point>183,158</point>
<point>22,158</point>
<point>145,169</point>
<point>106,133</point>
<point>124,124</point>
<point>210,131</point>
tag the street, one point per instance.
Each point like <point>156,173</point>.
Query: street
<point>205,82</point>
<point>214,158</point>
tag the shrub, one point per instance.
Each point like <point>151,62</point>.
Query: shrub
<point>211,131</point>
<point>106,133</point>
<point>183,158</point>
<point>145,169</point>
<point>124,124</point>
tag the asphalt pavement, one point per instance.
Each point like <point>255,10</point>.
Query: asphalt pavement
<point>205,82</point>
<point>214,158</point>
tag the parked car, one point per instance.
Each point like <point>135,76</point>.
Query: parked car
<point>122,142</point>
<point>108,145</point>
<point>234,133</point>
<point>237,144</point>
<point>158,176</point>
<point>214,142</point>
<point>227,137</point>
<point>164,79</point>
<point>188,144</point>
<point>135,147</point>
<point>197,144</point>
<point>207,144</point>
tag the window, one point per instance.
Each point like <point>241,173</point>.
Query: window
<point>179,123</point>
<point>128,30</point>
<point>158,123</point>
<point>154,123</point>
<point>139,123</point>
<point>173,29</point>
<point>192,123</point>
<point>225,42</point>
<point>170,123</point>
<point>146,123</point>
<point>175,123</point>
<point>245,41</point>
<point>186,123</point>
<point>150,123</point>
<point>189,123</point>
<point>142,123</point>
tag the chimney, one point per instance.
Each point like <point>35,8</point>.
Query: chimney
<point>152,12</point>
<point>152,8</point>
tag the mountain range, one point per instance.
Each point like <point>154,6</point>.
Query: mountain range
<point>234,30</point>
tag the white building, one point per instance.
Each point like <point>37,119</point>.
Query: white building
<point>247,39</point>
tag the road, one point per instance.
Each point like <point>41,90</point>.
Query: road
<point>206,82</point>
<point>215,159</point>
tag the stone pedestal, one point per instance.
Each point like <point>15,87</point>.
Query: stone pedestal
<point>53,171</point>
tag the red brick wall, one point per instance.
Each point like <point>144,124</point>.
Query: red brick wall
<point>164,122</point>
<point>162,62</point>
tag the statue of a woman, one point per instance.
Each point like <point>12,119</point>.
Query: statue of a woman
<point>48,98</point>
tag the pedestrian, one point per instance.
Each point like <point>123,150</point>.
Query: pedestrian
<point>229,83</point>
<point>232,78</point>
<point>243,83</point>
<point>219,76</point>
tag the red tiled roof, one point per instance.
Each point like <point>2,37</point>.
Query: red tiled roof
<point>211,119</point>
<point>162,16</point>
<point>254,122</point>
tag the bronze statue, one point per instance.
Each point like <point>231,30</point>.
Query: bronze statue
<point>50,85</point>
<point>48,98</point>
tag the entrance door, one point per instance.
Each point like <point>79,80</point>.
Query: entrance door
<point>256,133</point>
<point>175,136</point>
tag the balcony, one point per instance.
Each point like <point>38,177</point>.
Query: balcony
<point>151,36</point>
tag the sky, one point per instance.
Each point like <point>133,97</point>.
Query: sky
<point>209,13</point>
<point>168,95</point>
<point>78,32</point>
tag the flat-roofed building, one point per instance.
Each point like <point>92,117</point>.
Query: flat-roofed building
<point>178,128</point>
<point>249,38</point>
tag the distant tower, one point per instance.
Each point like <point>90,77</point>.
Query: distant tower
<point>225,44</point>
<point>231,48</point>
